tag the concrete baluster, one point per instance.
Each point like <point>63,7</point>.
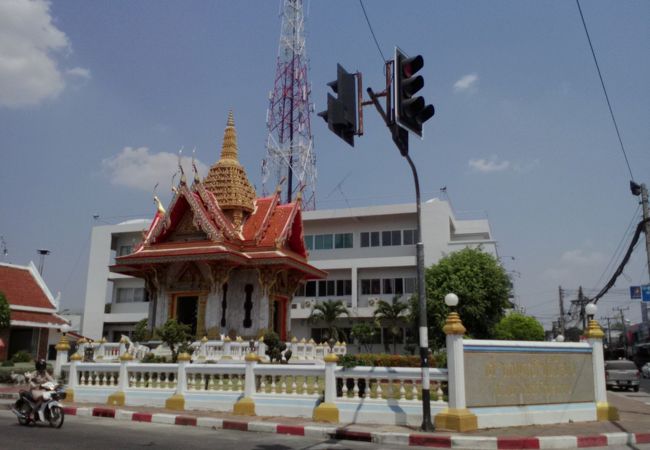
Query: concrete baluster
<point>62,349</point>
<point>328,411</point>
<point>245,406</point>
<point>118,398</point>
<point>177,401</point>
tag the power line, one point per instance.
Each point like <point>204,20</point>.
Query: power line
<point>602,83</point>
<point>383,58</point>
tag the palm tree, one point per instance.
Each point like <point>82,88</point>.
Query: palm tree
<point>329,312</point>
<point>392,315</point>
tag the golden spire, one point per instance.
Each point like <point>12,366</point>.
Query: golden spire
<point>228,181</point>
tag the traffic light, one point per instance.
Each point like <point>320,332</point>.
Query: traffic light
<point>410,110</point>
<point>341,114</point>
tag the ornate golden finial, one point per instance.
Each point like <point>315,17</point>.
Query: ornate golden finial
<point>453,325</point>
<point>204,339</point>
<point>184,356</point>
<point>63,344</point>
<point>228,181</point>
<point>76,357</point>
<point>594,331</point>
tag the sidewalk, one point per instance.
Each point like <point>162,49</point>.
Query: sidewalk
<point>633,427</point>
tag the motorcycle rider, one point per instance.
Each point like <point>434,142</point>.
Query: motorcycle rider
<point>36,379</point>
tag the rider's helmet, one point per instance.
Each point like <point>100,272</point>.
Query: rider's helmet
<point>41,365</point>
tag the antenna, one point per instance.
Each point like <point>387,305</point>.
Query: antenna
<point>43,252</point>
<point>289,144</point>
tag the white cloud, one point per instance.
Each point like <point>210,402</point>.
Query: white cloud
<point>79,72</point>
<point>137,168</point>
<point>488,165</point>
<point>580,257</point>
<point>576,264</point>
<point>28,39</point>
<point>467,83</point>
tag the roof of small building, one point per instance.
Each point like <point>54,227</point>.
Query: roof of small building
<point>23,286</point>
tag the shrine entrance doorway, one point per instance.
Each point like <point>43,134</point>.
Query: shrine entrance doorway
<point>279,316</point>
<point>185,310</point>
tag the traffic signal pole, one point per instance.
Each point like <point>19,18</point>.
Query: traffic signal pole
<point>400,137</point>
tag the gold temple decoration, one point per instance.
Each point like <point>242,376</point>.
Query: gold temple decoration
<point>594,331</point>
<point>453,325</point>
<point>228,181</point>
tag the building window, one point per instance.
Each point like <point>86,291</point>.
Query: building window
<point>390,238</point>
<point>309,242</point>
<point>343,240</point>
<point>410,285</point>
<point>224,304</point>
<point>410,237</point>
<point>310,289</point>
<point>124,250</point>
<point>326,288</point>
<point>399,286</point>
<point>343,287</point>
<point>248,305</point>
<point>323,242</point>
<point>131,295</point>
<point>388,285</point>
<point>370,239</point>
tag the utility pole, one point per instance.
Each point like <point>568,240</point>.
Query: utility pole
<point>620,309</point>
<point>646,218</point>
<point>561,324</point>
<point>582,301</point>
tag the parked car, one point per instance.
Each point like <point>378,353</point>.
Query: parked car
<point>645,370</point>
<point>622,374</point>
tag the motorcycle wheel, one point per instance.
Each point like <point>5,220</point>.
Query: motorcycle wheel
<point>55,416</point>
<point>23,408</point>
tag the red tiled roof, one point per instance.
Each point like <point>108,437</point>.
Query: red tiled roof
<point>36,317</point>
<point>21,288</point>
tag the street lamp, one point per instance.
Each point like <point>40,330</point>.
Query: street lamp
<point>591,309</point>
<point>451,300</point>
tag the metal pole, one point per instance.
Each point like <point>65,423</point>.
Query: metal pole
<point>646,215</point>
<point>400,138</point>
<point>427,425</point>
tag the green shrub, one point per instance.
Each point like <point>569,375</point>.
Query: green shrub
<point>151,358</point>
<point>383,360</point>
<point>21,356</point>
<point>7,363</point>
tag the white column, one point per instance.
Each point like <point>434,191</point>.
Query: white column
<point>181,376</point>
<point>330,379</point>
<point>355,299</point>
<point>123,378</point>
<point>249,376</point>
<point>598,362</point>
<point>72,373</point>
<point>101,349</point>
<point>456,371</point>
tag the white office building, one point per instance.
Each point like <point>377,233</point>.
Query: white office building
<point>368,253</point>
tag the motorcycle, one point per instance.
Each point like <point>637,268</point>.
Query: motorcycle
<point>49,411</point>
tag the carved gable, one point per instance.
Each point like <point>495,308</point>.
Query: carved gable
<point>187,230</point>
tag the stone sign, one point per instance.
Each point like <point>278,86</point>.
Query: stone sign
<point>497,378</point>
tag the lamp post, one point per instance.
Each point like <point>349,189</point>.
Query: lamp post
<point>591,310</point>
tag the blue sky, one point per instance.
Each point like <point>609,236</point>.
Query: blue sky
<point>93,92</point>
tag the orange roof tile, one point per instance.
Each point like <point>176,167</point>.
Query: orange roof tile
<point>21,288</point>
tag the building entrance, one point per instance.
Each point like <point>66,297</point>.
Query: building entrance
<point>186,311</point>
<point>279,314</point>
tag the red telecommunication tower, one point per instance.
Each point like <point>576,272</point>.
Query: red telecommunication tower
<point>290,151</point>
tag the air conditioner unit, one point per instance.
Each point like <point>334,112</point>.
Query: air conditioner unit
<point>372,301</point>
<point>306,304</point>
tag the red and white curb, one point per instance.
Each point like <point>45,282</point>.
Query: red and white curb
<point>409,439</point>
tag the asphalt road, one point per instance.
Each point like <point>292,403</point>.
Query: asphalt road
<point>98,434</point>
<point>642,396</point>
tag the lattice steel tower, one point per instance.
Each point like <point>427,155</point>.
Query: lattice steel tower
<point>289,145</point>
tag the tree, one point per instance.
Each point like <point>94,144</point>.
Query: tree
<point>141,332</point>
<point>5,312</point>
<point>518,327</point>
<point>392,315</point>
<point>481,284</point>
<point>175,335</point>
<point>365,332</point>
<point>329,312</point>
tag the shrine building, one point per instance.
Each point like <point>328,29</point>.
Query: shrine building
<point>220,259</point>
